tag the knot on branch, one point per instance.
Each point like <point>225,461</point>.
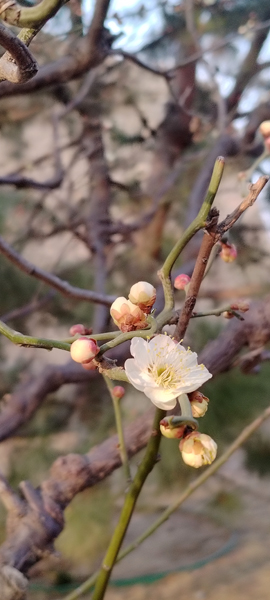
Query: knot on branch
<point>13,584</point>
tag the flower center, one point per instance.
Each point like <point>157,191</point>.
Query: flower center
<point>163,375</point>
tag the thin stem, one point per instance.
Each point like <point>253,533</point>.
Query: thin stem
<point>190,489</point>
<point>144,469</point>
<point>119,428</point>
<point>186,410</point>
<point>124,337</point>
<point>198,223</point>
<point>31,342</point>
<point>217,312</point>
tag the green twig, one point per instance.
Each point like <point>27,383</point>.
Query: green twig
<point>124,337</point>
<point>144,469</point>
<point>190,489</point>
<point>198,223</point>
<point>119,428</point>
<point>31,16</point>
<point>31,342</point>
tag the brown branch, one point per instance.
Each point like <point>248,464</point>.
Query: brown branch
<point>43,519</point>
<point>29,308</point>
<point>209,240</point>
<point>52,280</point>
<point>248,68</point>
<point>17,64</point>
<point>54,182</point>
<point>255,190</point>
<point>88,53</point>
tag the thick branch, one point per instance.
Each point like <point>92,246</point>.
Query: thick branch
<point>17,64</point>
<point>88,53</point>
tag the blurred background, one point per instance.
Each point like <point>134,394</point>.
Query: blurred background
<point>98,194</point>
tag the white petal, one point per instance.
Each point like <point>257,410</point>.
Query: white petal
<point>160,398</point>
<point>139,349</point>
<point>134,374</point>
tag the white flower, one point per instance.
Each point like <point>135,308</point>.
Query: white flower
<point>163,370</point>
<point>198,449</point>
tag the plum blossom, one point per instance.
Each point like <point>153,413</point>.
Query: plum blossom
<point>163,370</point>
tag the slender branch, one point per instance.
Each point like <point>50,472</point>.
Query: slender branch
<point>31,342</point>
<point>119,427</point>
<point>208,242</point>
<point>255,190</point>
<point>198,223</point>
<point>52,280</point>
<point>144,469</point>
<point>50,184</point>
<point>190,489</point>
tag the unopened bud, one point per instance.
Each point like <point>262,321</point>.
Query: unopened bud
<point>79,328</point>
<point>199,404</point>
<point>91,365</point>
<point>242,306</point>
<point>228,252</point>
<point>119,391</point>
<point>198,449</point>
<point>265,129</point>
<point>169,432</point>
<point>83,350</point>
<point>127,316</point>
<point>181,281</point>
<point>143,294</point>
<point>227,314</point>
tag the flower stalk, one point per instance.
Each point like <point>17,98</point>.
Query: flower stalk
<point>119,428</point>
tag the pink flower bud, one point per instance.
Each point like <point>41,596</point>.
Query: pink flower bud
<point>127,316</point>
<point>89,366</point>
<point>199,404</point>
<point>79,328</point>
<point>83,350</point>
<point>143,294</point>
<point>198,449</point>
<point>119,391</point>
<point>242,306</point>
<point>181,281</point>
<point>228,252</point>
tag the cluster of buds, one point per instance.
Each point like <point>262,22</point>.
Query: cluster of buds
<point>197,448</point>
<point>131,314</point>
<point>83,351</point>
<point>241,306</point>
<point>181,282</point>
<point>265,131</point>
<point>228,252</point>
